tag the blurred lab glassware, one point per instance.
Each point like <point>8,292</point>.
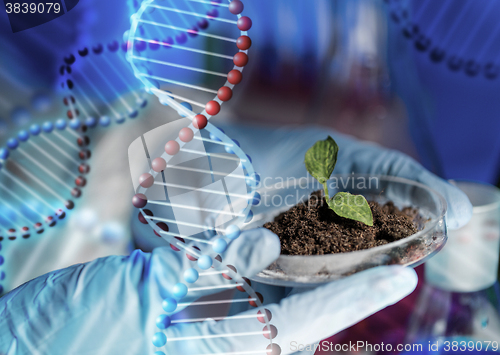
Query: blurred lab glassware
<point>459,307</point>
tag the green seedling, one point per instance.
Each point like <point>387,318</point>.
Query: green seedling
<point>320,161</point>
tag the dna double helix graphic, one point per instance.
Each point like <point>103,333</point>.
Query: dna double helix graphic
<point>195,186</point>
<point>99,86</point>
<point>166,52</point>
<point>181,310</point>
<point>195,189</point>
<point>42,173</point>
<point>43,169</point>
<point>196,24</point>
<point>462,36</point>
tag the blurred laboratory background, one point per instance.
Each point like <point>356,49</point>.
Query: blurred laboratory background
<point>385,71</point>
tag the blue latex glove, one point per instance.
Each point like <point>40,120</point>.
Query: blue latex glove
<point>109,306</point>
<point>280,153</point>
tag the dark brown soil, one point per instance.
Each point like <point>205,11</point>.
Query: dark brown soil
<point>312,228</point>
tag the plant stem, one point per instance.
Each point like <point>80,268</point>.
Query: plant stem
<point>325,187</point>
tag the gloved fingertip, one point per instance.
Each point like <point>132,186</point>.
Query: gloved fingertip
<point>404,277</point>
<point>253,251</point>
<point>353,298</point>
<point>459,208</point>
<point>395,272</point>
<point>391,283</point>
<point>267,243</point>
<point>275,246</point>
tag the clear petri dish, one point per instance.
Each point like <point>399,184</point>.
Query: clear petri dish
<point>312,270</point>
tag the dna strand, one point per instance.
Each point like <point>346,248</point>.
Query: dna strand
<point>199,68</point>
<point>99,87</point>
<point>188,196</point>
<point>185,308</point>
<point>189,190</point>
<point>197,25</point>
<point>437,28</point>
<point>42,173</point>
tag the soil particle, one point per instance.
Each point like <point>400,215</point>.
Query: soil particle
<point>312,228</point>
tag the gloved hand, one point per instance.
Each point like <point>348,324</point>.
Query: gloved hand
<point>280,153</point>
<point>109,306</point>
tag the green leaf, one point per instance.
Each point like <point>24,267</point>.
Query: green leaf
<point>321,158</point>
<point>352,206</point>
